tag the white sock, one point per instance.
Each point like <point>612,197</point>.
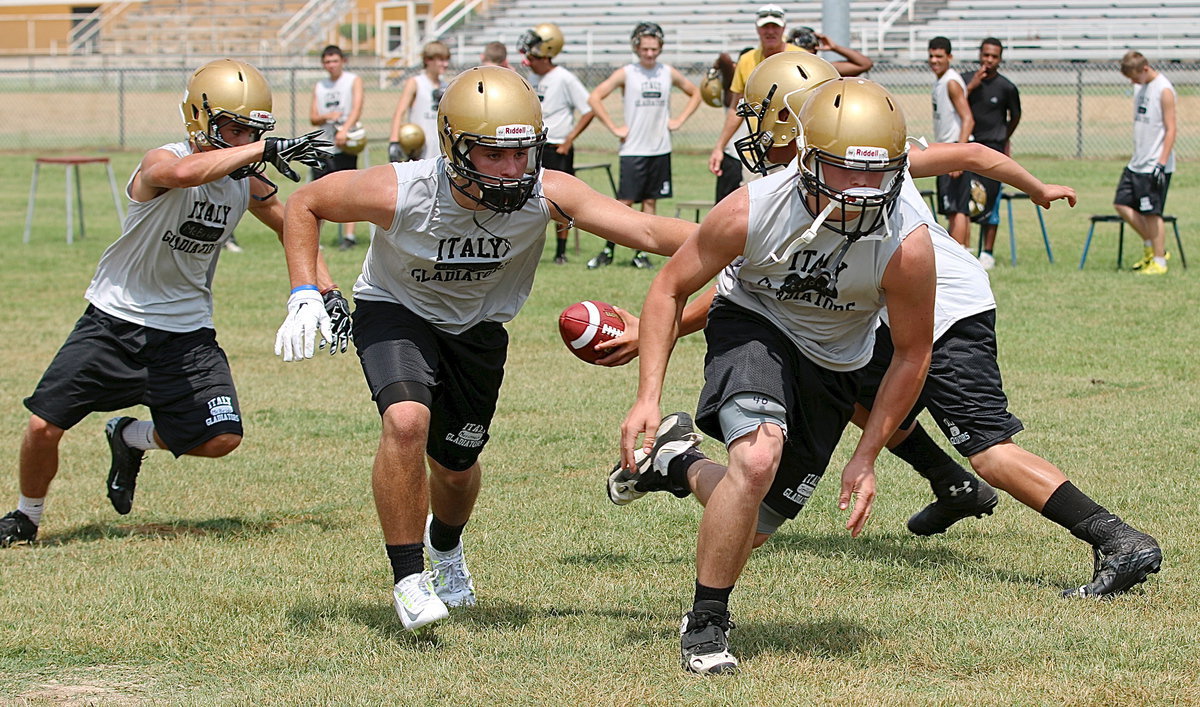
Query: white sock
<point>140,435</point>
<point>1160,261</point>
<point>32,507</point>
<point>1148,244</point>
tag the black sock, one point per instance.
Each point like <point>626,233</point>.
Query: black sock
<point>929,460</point>
<point>1069,507</point>
<point>609,246</point>
<point>704,593</point>
<point>677,470</point>
<point>444,537</point>
<point>560,247</point>
<point>405,559</point>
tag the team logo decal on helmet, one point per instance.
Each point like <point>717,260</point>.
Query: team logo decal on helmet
<point>778,83</point>
<point>543,41</point>
<point>494,106</point>
<point>645,29</point>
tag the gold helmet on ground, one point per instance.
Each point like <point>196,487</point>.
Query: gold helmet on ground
<point>494,106</point>
<point>776,85</point>
<point>543,41</point>
<point>853,124</point>
<point>226,88</point>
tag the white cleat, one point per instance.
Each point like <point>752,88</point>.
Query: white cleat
<point>417,603</point>
<point>451,578</point>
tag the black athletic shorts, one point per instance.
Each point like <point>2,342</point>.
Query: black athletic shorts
<point>335,163</point>
<point>552,160</point>
<point>1135,191</point>
<point>108,363</point>
<point>963,391</point>
<point>748,354</point>
<point>730,179</point>
<point>954,194</point>
<point>644,178</point>
<point>463,371</point>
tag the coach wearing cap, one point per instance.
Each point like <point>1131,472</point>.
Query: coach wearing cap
<point>770,22</point>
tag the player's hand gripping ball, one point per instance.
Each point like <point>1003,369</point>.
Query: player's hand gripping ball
<point>585,324</point>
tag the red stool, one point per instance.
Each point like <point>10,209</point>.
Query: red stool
<point>72,166</point>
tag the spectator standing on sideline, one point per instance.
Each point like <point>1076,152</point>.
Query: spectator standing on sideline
<point>996,109</point>
<point>952,122</point>
<point>853,63</point>
<point>420,97</point>
<point>146,337</point>
<point>769,23</point>
<point>1142,191</point>
<point>561,94</point>
<point>494,54</point>
<point>646,136</point>
<point>337,106</point>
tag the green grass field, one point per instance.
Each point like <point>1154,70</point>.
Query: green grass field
<point>261,578</point>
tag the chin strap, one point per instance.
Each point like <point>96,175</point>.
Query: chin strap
<point>268,182</point>
<point>805,238</point>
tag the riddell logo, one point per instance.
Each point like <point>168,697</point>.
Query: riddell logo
<point>515,131</point>
<point>870,154</point>
<point>261,115</point>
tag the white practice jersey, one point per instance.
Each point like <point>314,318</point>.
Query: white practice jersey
<point>159,272</point>
<point>335,96</point>
<point>424,110</point>
<point>647,110</point>
<point>835,332</point>
<point>963,289</point>
<point>435,260</point>
<point>1149,131</point>
<point>947,123</point>
<point>561,94</point>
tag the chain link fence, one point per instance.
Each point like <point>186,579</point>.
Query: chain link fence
<point>1070,110</point>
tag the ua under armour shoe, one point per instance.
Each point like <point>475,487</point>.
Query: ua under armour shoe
<point>971,497</point>
<point>704,640</point>
<point>1124,560</point>
<point>675,435</point>
<point>604,257</point>
<point>417,603</point>
<point>17,528</point>
<point>126,463</point>
<point>451,578</point>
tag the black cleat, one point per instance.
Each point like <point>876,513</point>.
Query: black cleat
<point>126,463</point>
<point>704,640</point>
<point>641,261</point>
<point>974,497</point>
<point>603,258</point>
<point>16,528</point>
<point>676,435</point>
<point>1122,562</point>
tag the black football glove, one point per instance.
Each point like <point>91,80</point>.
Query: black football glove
<point>338,310</point>
<point>396,153</point>
<point>1158,178</point>
<point>308,149</point>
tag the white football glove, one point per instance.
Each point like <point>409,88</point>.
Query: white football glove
<point>297,338</point>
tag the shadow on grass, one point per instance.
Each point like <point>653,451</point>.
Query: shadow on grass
<point>212,527</point>
<point>313,616</point>
<point>825,638</point>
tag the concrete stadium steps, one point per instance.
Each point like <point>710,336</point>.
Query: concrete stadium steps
<point>244,28</point>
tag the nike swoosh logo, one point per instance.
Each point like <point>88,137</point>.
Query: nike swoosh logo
<point>412,618</point>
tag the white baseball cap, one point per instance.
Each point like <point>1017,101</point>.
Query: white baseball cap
<point>770,14</point>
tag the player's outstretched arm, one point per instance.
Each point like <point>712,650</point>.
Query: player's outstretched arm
<point>610,219</point>
<point>624,348</point>
<point>946,157</point>
<point>909,281</point>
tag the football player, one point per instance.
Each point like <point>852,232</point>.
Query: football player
<point>979,425</point>
<point>562,95</point>
<point>456,247</point>
<point>420,96</point>
<point>806,258</point>
<point>147,335</point>
<point>646,135</point>
<point>337,106</point>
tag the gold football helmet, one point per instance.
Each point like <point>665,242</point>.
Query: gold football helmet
<point>711,89</point>
<point>490,105</point>
<point>775,92</point>
<point>852,124</point>
<point>226,88</point>
<point>412,141</point>
<point>356,140</point>
<point>543,41</point>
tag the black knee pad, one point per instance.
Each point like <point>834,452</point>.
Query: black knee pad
<point>403,392</point>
